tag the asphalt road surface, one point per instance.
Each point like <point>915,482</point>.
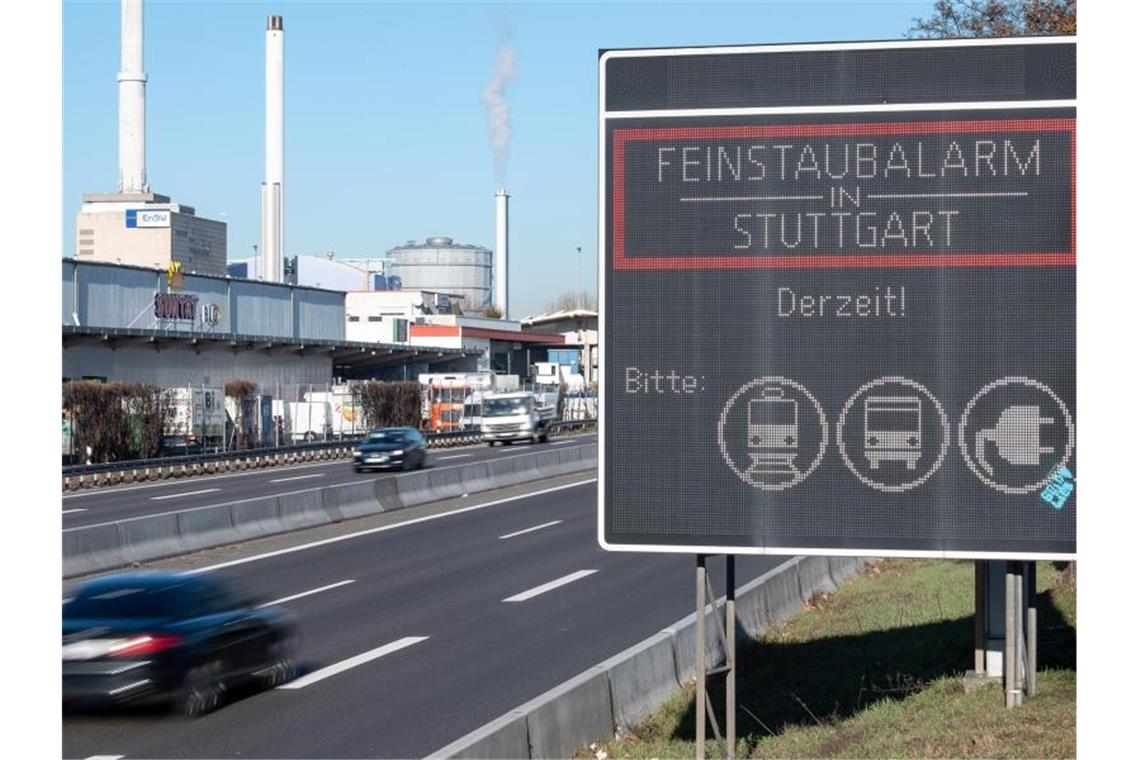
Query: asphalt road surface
<point>101,505</point>
<point>414,634</point>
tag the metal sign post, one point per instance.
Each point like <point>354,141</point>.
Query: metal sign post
<point>837,308</point>
<point>726,632</point>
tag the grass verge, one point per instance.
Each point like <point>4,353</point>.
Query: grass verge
<point>878,670</point>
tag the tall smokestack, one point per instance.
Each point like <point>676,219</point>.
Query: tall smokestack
<point>502,242</point>
<point>132,101</point>
<point>273,189</point>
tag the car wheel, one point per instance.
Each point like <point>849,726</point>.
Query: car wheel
<point>358,469</point>
<point>423,461</point>
<point>491,444</point>
<point>406,464</point>
<point>282,666</point>
<point>202,690</point>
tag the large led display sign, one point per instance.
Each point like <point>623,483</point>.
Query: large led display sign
<point>838,300</point>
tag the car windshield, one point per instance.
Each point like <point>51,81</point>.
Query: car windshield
<point>385,436</point>
<point>502,407</point>
<point>128,601</point>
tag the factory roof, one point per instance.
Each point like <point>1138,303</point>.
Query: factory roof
<point>558,316</point>
<point>343,352</point>
<point>190,273</point>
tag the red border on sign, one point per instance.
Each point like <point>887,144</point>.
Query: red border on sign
<point>906,259</point>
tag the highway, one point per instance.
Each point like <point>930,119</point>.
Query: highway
<point>415,633</point>
<point>83,508</point>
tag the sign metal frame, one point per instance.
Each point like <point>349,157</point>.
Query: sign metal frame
<point>605,117</point>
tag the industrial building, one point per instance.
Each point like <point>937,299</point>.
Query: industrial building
<point>134,225</point>
<point>150,296</point>
<point>136,324</point>
<point>147,229</point>
<point>309,271</point>
<point>441,264</point>
<point>578,328</point>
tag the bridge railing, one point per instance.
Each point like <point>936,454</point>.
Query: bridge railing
<point>109,473</point>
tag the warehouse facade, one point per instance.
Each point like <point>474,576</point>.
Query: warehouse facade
<point>139,324</point>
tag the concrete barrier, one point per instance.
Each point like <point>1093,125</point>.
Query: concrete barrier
<point>103,547</point>
<point>387,495</point>
<point>576,713</point>
<point>476,477</point>
<point>149,538</point>
<point>349,501</point>
<point>505,737</point>
<point>814,576</point>
<point>413,489</point>
<point>560,722</point>
<point>302,509</point>
<point>685,644</point>
<point>92,549</point>
<point>254,518</point>
<point>446,483</point>
<point>642,678</point>
<point>505,472</point>
<point>204,528</point>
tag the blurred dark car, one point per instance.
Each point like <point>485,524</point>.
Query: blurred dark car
<point>390,447</point>
<point>174,638</point>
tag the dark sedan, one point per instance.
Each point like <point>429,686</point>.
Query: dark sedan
<point>390,447</point>
<point>174,638</point>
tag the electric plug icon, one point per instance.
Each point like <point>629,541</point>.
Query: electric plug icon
<point>1017,436</point>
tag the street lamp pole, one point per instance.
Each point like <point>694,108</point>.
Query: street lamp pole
<point>578,300</point>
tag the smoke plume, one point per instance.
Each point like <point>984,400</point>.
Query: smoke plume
<point>498,112</point>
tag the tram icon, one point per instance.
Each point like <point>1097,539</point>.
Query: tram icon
<point>892,430</point>
<point>773,437</point>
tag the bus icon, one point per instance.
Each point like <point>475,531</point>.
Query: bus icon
<point>892,430</point>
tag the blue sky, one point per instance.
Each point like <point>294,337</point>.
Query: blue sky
<point>386,136</point>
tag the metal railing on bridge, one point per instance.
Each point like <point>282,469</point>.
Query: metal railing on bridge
<point>81,476</point>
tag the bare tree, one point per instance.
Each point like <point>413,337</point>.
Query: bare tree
<point>570,300</point>
<point>117,421</point>
<point>394,404</point>
<point>997,18</point>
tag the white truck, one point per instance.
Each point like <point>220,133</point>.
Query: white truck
<point>303,421</point>
<point>197,421</point>
<point>346,415</point>
<point>517,416</point>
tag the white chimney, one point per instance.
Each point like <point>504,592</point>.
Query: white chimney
<point>273,189</point>
<point>502,242</point>
<point>132,101</point>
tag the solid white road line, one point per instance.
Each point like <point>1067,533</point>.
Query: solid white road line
<point>549,586</point>
<point>559,443</point>
<point>383,528</point>
<point>180,495</point>
<point>298,477</point>
<point>352,662</point>
<point>106,757</point>
<point>528,530</point>
<point>69,511</point>
<point>310,592</point>
<point>453,456</point>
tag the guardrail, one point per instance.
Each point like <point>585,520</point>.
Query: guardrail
<point>77,477</point>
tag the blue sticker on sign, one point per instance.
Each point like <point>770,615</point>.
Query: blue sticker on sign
<point>1059,488</point>
<point>132,217</point>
